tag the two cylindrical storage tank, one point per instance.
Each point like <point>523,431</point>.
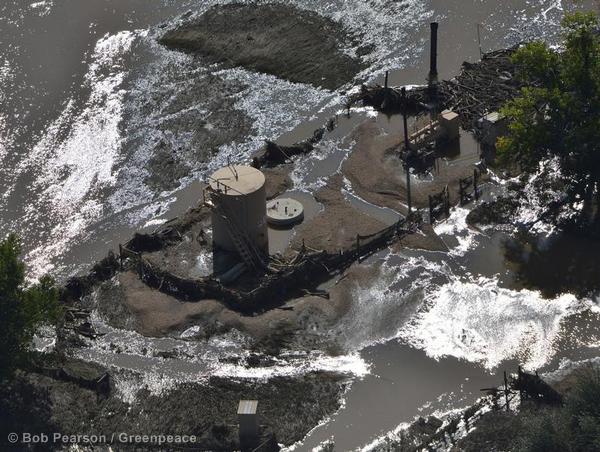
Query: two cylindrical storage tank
<point>243,197</point>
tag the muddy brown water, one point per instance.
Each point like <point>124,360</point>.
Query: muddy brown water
<point>403,379</point>
<point>399,388</point>
<point>49,56</point>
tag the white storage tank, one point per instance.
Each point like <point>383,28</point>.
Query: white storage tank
<point>243,199</point>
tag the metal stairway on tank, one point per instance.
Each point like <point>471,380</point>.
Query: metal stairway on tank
<point>251,256</point>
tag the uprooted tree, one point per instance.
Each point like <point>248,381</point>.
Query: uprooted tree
<point>557,118</point>
<point>23,309</point>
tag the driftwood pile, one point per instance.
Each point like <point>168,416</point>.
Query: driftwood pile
<point>78,286</point>
<point>169,233</point>
<point>390,100</point>
<point>481,87</point>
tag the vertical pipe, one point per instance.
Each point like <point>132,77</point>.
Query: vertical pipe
<point>431,219</point>
<point>408,195</point>
<point>433,72</point>
<point>506,392</point>
<point>386,79</point>
<point>405,120</point>
<point>447,201</point>
<point>406,149</point>
<point>140,268</point>
<point>520,379</point>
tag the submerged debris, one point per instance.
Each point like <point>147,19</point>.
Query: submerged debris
<point>390,100</point>
<point>273,154</point>
<point>481,87</point>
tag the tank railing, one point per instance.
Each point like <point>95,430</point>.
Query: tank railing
<point>245,246</point>
<point>227,187</point>
<point>232,169</point>
<point>262,259</point>
<point>240,242</point>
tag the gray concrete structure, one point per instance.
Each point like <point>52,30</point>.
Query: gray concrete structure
<point>284,212</point>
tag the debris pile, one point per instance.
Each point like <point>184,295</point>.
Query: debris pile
<point>481,87</point>
<point>390,100</point>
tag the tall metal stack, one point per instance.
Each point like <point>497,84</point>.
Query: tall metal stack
<point>433,70</point>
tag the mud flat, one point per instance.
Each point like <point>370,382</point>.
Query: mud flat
<point>337,226</point>
<point>303,323</point>
<point>292,44</point>
<point>377,174</point>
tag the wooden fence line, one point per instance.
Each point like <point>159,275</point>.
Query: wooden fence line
<point>275,286</point>
<point>468,191</point>
<point>468,188</point>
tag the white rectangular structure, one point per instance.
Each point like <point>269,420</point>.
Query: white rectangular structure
<point>449,121</point>
<point>248,422</point>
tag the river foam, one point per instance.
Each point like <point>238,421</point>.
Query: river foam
<point>478,321</point>
<point>444,304</point>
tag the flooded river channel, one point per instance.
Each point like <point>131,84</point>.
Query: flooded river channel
<point>89,97</point>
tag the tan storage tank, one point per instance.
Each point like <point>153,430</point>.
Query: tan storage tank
<point>242,195</point>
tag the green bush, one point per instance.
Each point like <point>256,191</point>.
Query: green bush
<point>583,410</point>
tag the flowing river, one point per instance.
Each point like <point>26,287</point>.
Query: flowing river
<point>86,95</point>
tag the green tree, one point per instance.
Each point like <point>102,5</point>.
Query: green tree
<point>546,432</point>
<point>583,409</point>
<point>22,309</point>
<point>572,427</point>
<point>558,113</point>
